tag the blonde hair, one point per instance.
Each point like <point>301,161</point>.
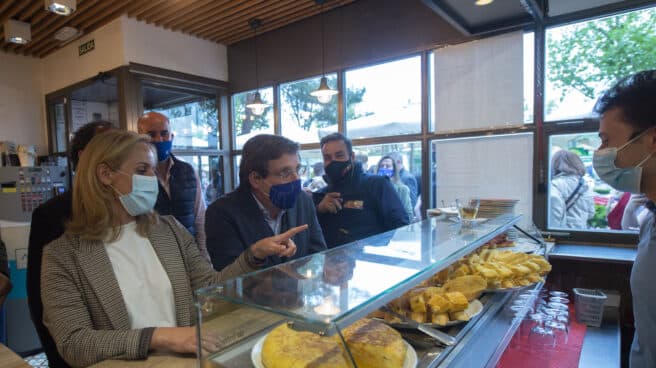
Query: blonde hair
<point>93,217</point>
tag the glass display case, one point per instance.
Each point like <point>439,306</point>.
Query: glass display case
<point>326,292</point>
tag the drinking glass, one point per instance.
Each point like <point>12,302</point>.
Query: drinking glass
<point>558,293</point>
<point>558,299</point>
<point>468,209</point>
<point>560,331</point>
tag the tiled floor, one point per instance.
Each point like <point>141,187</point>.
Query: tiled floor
<point>38,360</point>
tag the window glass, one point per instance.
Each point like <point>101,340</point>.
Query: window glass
<point>491,167</point>
<point>578,199</point>
<point>245,123</point>
<point>529,72</point>
<point>237,161</point>
<point>409,173</point>
<point>479,87</point>
<point>312,178</point>
<point>583,59</point>
<point>303,118</point>
<point>193,117</point>
<point>384,99</point>
<point>210,172</point>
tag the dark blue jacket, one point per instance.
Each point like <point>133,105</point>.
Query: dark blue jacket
<point>370,206</point>
<point>182,188</point>
<point>234,222</point>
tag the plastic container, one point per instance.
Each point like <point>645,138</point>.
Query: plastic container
<point>589,306</point>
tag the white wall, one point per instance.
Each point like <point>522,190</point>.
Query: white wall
<point>22,103</point>
<point>155,46</point>
<point>65,67</point>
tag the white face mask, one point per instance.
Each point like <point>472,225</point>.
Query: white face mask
<point>143,196</point>
<point>623,179</point>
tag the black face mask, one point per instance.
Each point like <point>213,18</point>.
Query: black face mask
<point>336,170</point>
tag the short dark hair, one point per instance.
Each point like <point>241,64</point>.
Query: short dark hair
<point>337,137</point>
<point>82,137</point>
<point>257,153</point>
<point>635,95</point>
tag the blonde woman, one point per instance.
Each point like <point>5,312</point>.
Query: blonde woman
<point>118,284</point>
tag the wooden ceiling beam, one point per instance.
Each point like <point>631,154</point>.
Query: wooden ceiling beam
<point>226,13</point>
<point>211,24</point>
<point>117,8</point>
<point>209,9</point>
<point>281,22</point>
<point>4,7</point>
<point>167,8</point>
<point>45,30</point>
<point>51,48</point>
<point>13,11</point>
<point>202,5</point>
<point>147,6</point>
<point>270,10</point>
<point>171,10</point>
<point>29,12</point>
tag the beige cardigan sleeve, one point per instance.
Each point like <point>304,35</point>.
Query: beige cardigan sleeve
<point>68,315</point>
<point>200,271</point>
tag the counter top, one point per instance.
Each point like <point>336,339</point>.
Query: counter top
<point>153,361</point>
<point>9,359</point>
<point>593,253</point>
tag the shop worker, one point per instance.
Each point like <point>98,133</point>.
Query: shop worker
<point>269,219</point>
<point>354,205</point>
<point>180,193</point>
<point>48,224</point>
<point>626,160</point>
<point>119,283</point>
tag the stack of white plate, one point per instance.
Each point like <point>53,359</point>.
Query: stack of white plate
<point>491,208</point>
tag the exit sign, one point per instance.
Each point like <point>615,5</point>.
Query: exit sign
<point>86,47</point>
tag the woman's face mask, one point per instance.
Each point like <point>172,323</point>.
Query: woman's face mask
<point>623,179</point>
<point>143,196</point>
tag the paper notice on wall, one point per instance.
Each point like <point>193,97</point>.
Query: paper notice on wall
<point>79,112</point>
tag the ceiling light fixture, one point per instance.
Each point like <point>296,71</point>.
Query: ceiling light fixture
<point>17,32</point>
<point>257,105</point>
<point>483,2</point>
<point>324,93</point>
<point>61,7</point>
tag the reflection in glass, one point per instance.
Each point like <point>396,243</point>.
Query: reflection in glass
<point>246,124</point>
<point>210,172</point>
<point>384,99</point>
<point>611,209</point>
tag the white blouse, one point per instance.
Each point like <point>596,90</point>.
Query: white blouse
<point>145,286</point>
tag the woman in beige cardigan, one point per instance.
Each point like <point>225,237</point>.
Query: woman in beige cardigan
<point>118,284</point>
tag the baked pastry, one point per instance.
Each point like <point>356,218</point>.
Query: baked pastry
<point>372,344</point>
<point>285,347</point>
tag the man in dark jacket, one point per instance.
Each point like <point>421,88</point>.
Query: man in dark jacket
<point>267,216</point>
<point>354,205</point>
<point>48,224</point>
<point>180,192</point>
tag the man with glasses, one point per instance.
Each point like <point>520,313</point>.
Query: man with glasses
<point>268,216</point>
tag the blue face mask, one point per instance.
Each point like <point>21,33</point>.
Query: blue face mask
<point>383,171</point>
<point>143,196</point>
<point>623,179</point>
<point>284,196</point>
<point>163,149</point>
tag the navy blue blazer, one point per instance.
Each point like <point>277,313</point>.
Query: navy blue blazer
<point>235,222</point>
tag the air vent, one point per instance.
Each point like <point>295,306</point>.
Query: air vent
<point>67,34</point>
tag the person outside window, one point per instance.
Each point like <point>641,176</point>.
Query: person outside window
<point>572,202</point>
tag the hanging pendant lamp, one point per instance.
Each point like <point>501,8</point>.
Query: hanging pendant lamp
<point>257,105</point>
<point>324,93</point>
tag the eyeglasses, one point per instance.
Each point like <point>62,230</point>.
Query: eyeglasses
<point>288,173</point>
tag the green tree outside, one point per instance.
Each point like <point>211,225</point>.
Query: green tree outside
<point>591,56</point>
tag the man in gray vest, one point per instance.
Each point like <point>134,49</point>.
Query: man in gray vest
<point>180,193</point>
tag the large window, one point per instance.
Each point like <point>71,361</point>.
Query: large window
<point>193,117</point>
<point>584,59</point>
<point>384,99</point>
<point>303,118</point>
<point>246,124</point>
<point>210,172</point>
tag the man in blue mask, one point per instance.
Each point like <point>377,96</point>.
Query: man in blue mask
<point>354,205</point>
<point>626,161</point>
<point>180,193</point>
<point>268,216</point>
